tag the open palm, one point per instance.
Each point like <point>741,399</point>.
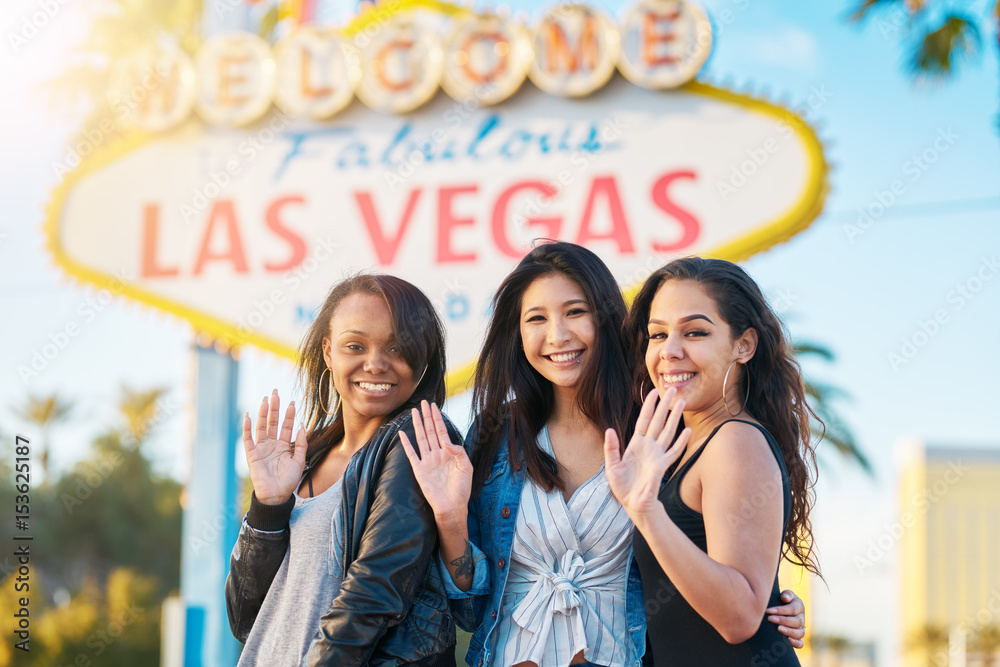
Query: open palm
<point>275,463</point>
<point>442,469</point>
<point>635,476</point>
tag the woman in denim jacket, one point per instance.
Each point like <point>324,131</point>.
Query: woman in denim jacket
<point>540,558</point>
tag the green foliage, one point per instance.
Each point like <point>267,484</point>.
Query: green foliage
<point>821,398</point>
<point>939,34</point>
<point>985,643</point>
<point>935,55</point>
<point>108,533</point>
<point>927,641</point>
<point>117,29</point>
<point>119,626</point>
<point>43,412</point>
<point>140,410</point>
<point>116,512</point>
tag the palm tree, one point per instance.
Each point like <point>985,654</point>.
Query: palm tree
<point>821,397</point>
<point>942,33</point>
<point>117,28</point>
<point>929,641</point>
<point>986,642</point>
<point>43,412</point>
<point>141,411</point>
<point>834,647</point>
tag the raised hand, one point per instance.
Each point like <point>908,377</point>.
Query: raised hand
<point>275,463</point>
<point>635,477</point>
<point>443,470</point>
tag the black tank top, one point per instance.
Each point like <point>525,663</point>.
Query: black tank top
<point>675,632</point>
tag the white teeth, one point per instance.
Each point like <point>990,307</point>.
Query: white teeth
<point>568,356</point>
<point>368,386</point>
<point>672,379</point>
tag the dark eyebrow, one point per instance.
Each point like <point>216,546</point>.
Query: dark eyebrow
<point>684,320</point>
<point>354,332</point>
<point>567,303</point>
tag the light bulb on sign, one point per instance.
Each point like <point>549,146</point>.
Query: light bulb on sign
<point>236,79</point>
<point>664,43</point>
<point>154,89</point>
<point>314,77</point>
<point>486,59</point>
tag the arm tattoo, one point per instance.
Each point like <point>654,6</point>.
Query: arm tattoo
<point>463,564</point>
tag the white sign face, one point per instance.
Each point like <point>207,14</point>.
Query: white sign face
<point>243,231</point>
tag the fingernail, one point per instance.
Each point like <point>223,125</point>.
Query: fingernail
<point>772,618</point>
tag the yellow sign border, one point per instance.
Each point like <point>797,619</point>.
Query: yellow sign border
<point>795,219</point>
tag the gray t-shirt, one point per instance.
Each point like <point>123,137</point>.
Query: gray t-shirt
<point>304,587</point>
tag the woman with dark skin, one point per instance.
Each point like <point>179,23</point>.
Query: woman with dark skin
<point>335,559</point>
<point>714,353</point>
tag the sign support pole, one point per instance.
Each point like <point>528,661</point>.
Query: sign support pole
<point>211,513</point>
<point>211,509</point>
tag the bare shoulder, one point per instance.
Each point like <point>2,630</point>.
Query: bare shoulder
<point>740,451</point>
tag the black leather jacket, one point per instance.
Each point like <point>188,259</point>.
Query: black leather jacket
<point>392,608</point>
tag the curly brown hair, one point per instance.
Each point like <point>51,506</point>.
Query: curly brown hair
<point>777,397</point>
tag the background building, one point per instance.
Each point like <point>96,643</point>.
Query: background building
<point>950,561</point>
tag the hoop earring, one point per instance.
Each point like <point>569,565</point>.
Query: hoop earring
<point>642,390</point>
<point>319,396</point>
<point>726,379</point>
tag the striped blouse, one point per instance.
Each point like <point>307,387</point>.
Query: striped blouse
<point>565,589</point>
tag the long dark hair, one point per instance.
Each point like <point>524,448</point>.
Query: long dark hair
<point>418,333</point>
<point>777,396</point>
<point>511,395</point>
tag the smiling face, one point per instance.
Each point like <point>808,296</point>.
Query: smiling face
<point>558,329</point>
<point>691,346</point>
<point>369,371</point>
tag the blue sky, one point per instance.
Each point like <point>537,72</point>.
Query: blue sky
<point>863,295</point>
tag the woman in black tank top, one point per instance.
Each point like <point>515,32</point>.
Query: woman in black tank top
<point>717,504</point>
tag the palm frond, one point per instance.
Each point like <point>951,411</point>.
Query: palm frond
<point>939,48</point>
<point>823,393</point>
<point>268,23</point>
<point>806,348</point>
<point>844,444</point>
<point>117,29</point>
<point>140,408</point>
<point>861,12</point>
<point>43,411</point>
<point>828,427</point>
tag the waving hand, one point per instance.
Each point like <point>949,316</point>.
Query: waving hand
<point>276,464</point>
<point>443,470</point>
<point>635,477</point>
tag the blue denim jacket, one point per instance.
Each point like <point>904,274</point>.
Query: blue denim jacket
<point>492,520</point>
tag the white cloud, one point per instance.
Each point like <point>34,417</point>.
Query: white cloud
<point>786,46</point>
